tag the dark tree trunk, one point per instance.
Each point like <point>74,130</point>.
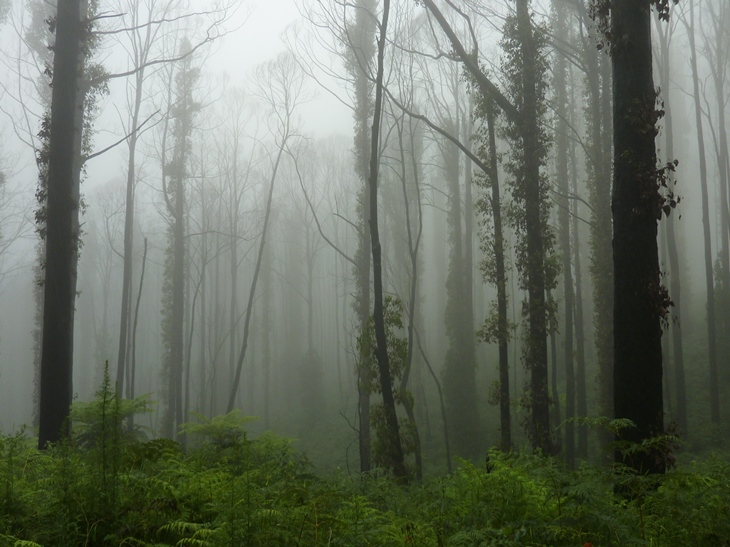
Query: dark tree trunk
<point>639,299</point>
<point>62,231</point>
<point>394,454</point>
<point>505,422</point>
<point>537,354</point>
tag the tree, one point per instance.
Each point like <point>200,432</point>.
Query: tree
<point>529,213</point>
<point>526,72</point>
<point>598,110</point>
<point>62,227</point>
<point>560,76</point>
<point>393,448</point>
<point>665,32</point>
<point>640,301</point>
<point>174,191</point>
<point>281,87</point>
<point>496,325</point>
<point>706,237</point>
<point>145,24</point>
<point>361,38</point>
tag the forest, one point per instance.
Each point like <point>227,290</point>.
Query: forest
<point>364,272</point>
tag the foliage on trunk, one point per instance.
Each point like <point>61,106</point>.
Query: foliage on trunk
<point>359,64</point>
<point>459,374</point>
<point>173,303</point>
<point>528,213</point>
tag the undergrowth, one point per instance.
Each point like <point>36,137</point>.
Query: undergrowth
<point>107,486</point>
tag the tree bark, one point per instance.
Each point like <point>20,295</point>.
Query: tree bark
<point>393,441</point>
<point>675,286</point>
<point>561,166</point>
<point>639,299</point>
<point>505,420</point>
<point>536,359</point>
<point>62,231</point>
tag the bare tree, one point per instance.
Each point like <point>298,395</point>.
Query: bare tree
<point>281,88</point>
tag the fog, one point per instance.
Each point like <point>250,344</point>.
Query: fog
<point>249,150</point>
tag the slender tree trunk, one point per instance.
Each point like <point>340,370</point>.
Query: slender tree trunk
<point>257,270</point>
<point>128,235</point>
<point>202,359</point>
<point>393,442</point>
<point>707,238</point>
<point>580,356</point>
<point>555,392</point>
<point>505,420</point>
<point>442,404</point>
<point>178,308</point>
<point>601,265</point>
<point>363,53</point>
<point>413,245</point>
<point>133,368</point>
<point>563,184</point>
<point>266,326</point>
<point>675,286</point>
<point>233,272</point>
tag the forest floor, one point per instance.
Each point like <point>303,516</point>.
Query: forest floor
<point>106,487</point>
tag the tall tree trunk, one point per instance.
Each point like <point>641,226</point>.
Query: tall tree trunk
<point>505,421</point>
<point>266,326</point>
<point>414,243</point>
<point>62,230</point>
<point>707,238</point>
<point>563,184</point>
<point>580,356</point>
<point>178,309</point>
<point>459,362</point>
<point>128,235</point>
<point>537,358</point>
<point>133,364</point>
<point>257,270</point>
<point>554,391</point>
<point>601,266</point>
<point>393,446</point>
<point>639,299</point>
<point>675,286</point>
<point>363,39</point>
<point>233,272</point>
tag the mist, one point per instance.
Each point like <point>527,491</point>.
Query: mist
<point>226,254</point>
